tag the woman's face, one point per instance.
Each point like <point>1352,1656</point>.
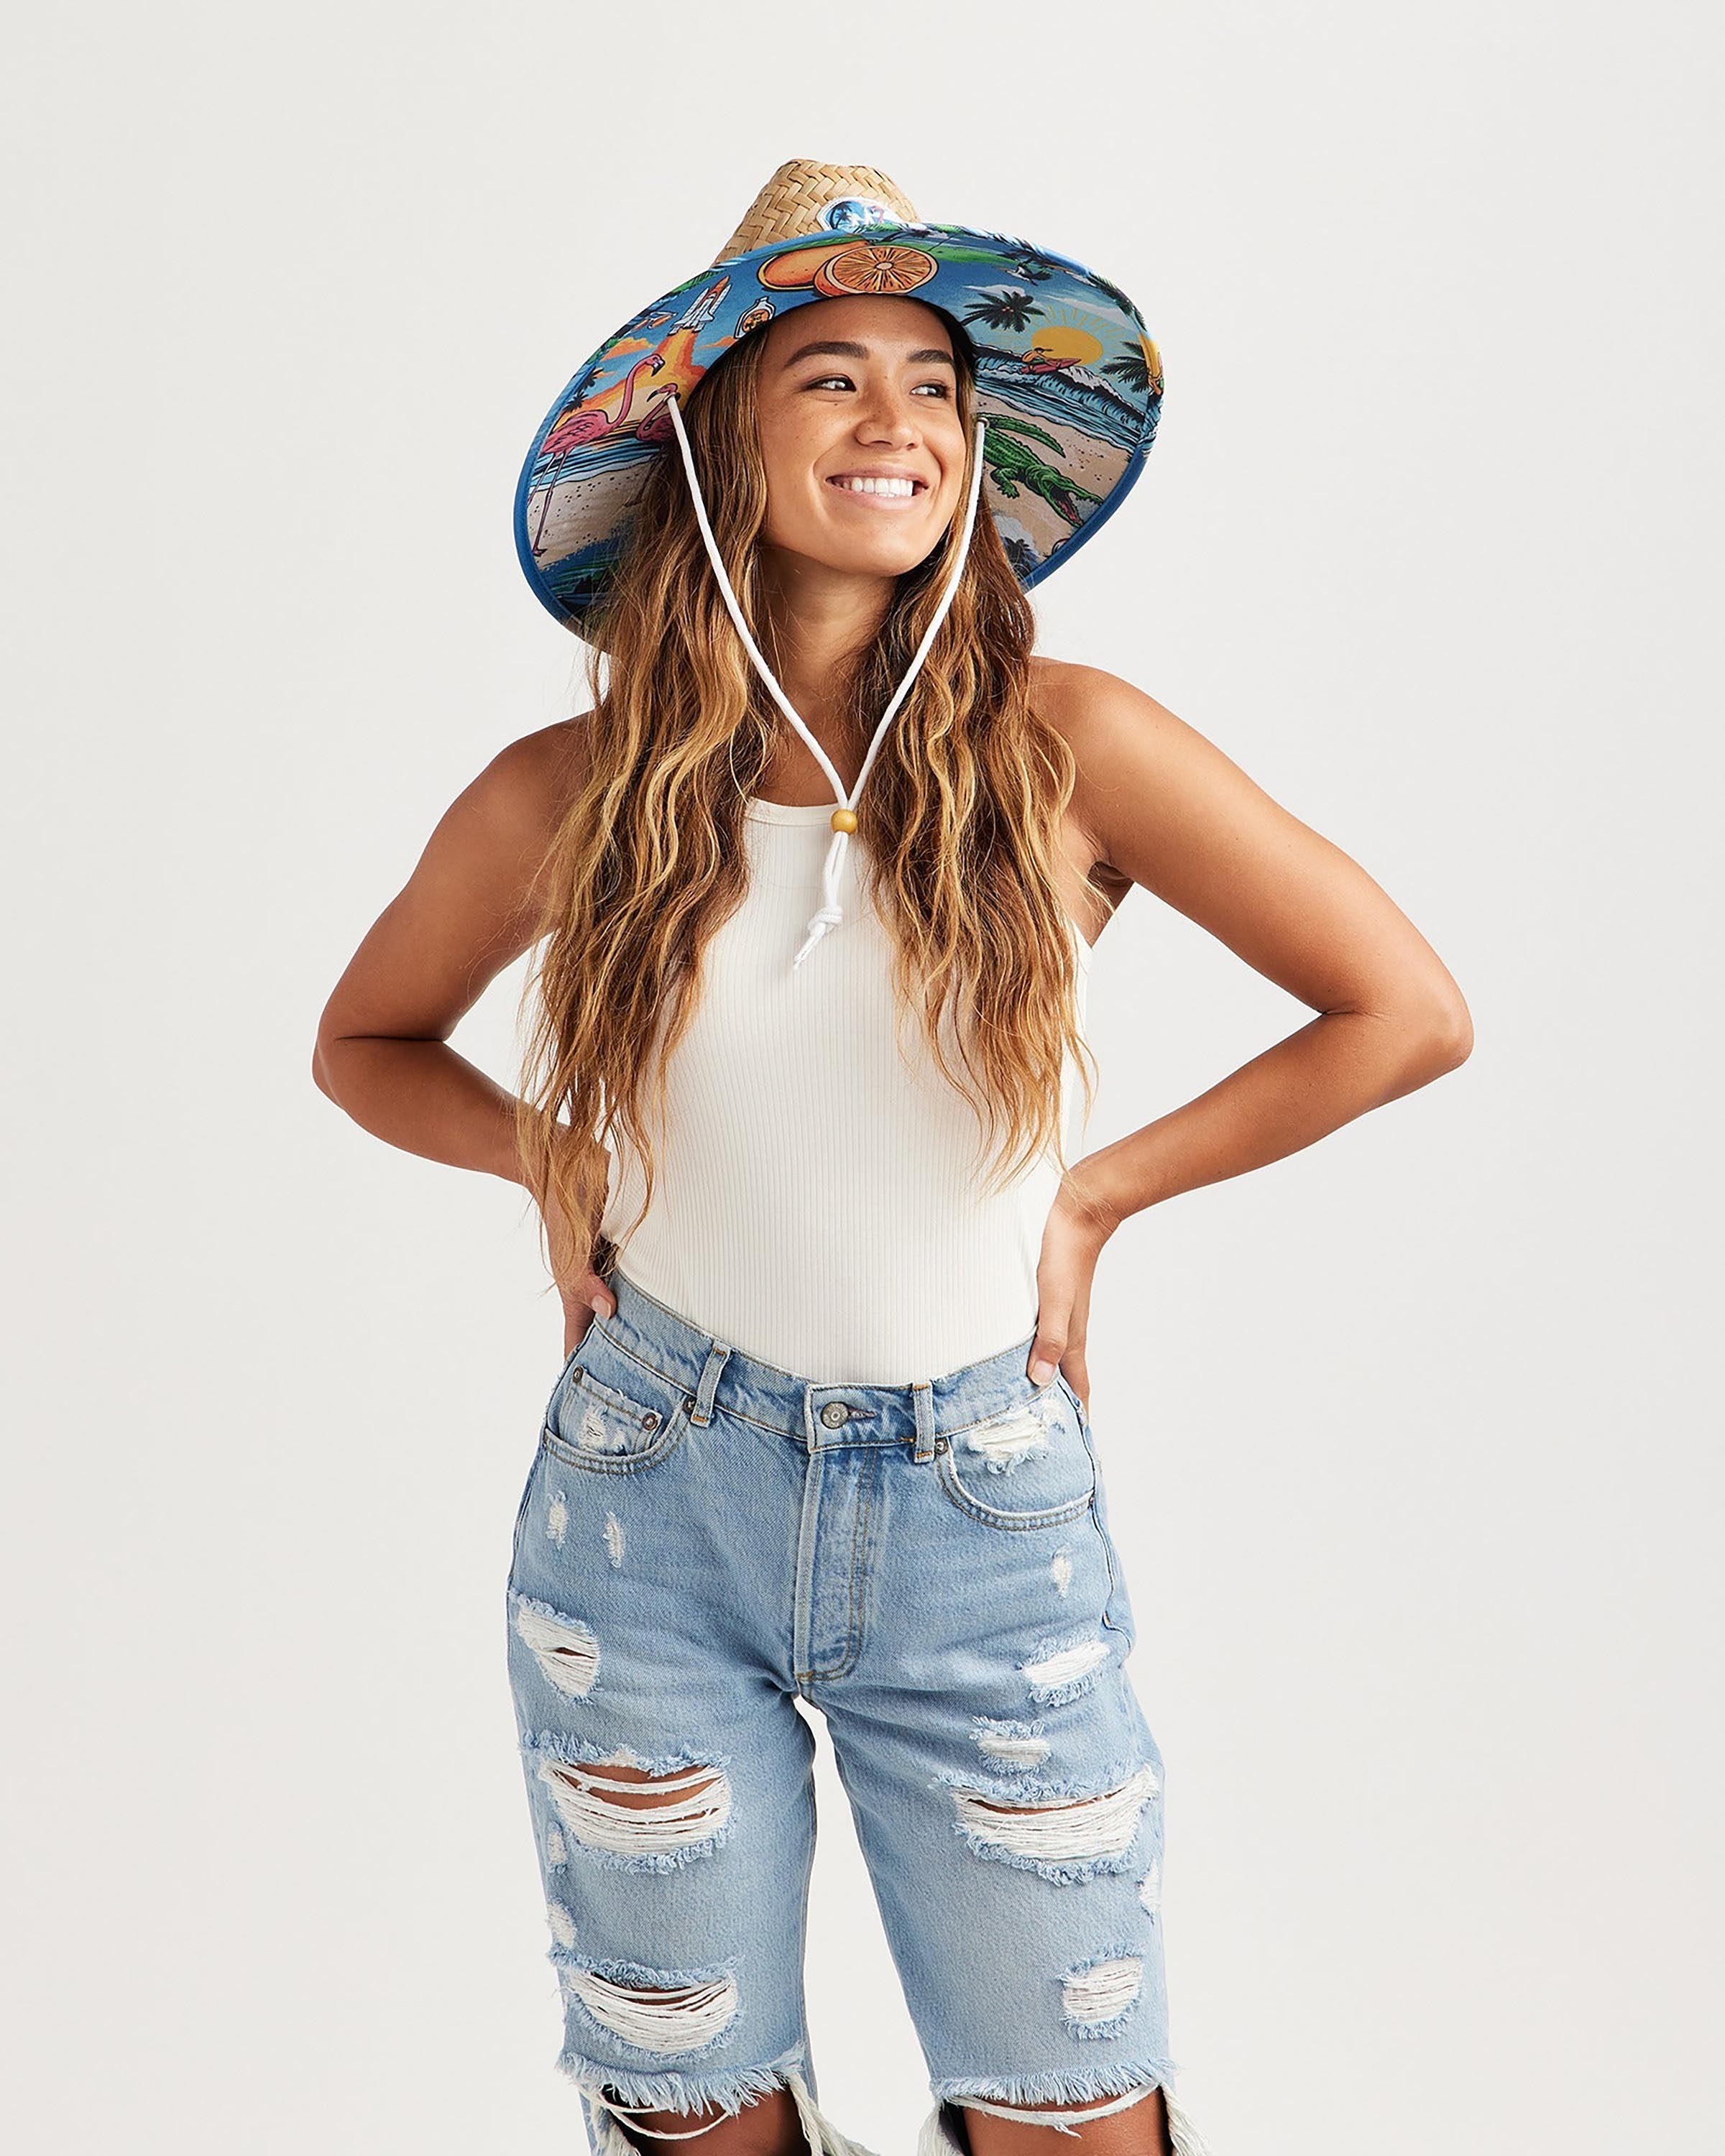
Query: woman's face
<point>860,390</point>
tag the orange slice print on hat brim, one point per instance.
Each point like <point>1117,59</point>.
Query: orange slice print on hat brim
<point>785,273</point>
<point>873,266</point>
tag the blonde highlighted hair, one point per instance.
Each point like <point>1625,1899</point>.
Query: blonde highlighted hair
<point>959,825</point>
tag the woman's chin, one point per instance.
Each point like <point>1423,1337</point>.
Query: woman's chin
<point>886,555</point>
<point>881,556</point>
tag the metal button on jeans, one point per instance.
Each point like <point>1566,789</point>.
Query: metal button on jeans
<point>834,1413</point>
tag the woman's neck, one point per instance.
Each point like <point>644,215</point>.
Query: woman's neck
<point>821,617</point>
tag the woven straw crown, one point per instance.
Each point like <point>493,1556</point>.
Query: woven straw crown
<point>789,206</point>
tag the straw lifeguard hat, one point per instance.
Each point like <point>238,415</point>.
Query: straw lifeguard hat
<point>1068,381</point>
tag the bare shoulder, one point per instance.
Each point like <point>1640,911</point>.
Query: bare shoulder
<point>1163,807</point>
<point>517,801</point>
<point>1108,725</point>
<point>467,909</point>
<point>1148,784</point>
<point>1099,713</point>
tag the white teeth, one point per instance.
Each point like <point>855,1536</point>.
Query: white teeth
<point>895,486</point>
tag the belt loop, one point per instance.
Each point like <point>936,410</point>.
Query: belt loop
<point>922,1400</point>
<point>701,1413</point>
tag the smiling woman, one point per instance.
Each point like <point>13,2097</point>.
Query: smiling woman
<point>823,1428</point>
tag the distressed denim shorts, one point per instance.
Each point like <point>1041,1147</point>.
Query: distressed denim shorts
<point>703,1540</point>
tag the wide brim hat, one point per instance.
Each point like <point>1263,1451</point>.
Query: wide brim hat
<point>1067,379</point>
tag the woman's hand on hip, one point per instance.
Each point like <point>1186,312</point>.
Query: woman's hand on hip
<point>1071,1243</point>
<point>584,1294</point>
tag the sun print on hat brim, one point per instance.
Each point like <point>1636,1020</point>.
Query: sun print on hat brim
<point>1068,381</point>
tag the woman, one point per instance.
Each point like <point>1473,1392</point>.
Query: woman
<point>823,1427</point>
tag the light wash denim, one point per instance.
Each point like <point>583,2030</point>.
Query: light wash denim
<point>703,1539</point>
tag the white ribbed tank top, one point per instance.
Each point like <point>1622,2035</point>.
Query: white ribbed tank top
<point>816,1198</point>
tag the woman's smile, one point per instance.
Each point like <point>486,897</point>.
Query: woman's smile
<point>877,489</point>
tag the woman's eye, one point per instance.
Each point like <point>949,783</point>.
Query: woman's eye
<point>843,382</point>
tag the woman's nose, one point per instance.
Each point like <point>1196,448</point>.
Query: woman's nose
<point>889,417</point>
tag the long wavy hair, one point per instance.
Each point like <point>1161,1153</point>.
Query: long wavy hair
<point>959,825</point>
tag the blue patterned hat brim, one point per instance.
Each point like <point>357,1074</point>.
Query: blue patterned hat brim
<point>1068,381</point>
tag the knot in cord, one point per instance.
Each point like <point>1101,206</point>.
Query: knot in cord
<point>829,913</point>
<point>822,919</point>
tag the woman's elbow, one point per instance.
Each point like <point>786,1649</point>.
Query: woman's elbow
<point>1439,1031</point>
<point>1458,1036</point>
<point>323,1050</point>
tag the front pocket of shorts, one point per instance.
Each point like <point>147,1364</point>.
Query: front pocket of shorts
<point>1027,1466</point>
<point>595,1424</point>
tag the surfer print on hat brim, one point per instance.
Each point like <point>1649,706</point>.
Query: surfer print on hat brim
<point>1068,382</point>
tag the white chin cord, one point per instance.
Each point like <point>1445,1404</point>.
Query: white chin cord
<point>829,913</point>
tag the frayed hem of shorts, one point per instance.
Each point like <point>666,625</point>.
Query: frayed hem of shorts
<point>680,2092</point>
<point>1058,2087</point>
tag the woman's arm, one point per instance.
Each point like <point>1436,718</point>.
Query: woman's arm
<point>382,1052</point>
<point>1165,808</point>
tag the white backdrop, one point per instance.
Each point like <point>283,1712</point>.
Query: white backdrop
<point>1411,1440</point>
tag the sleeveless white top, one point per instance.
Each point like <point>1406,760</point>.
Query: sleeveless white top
<point>817,1198</point>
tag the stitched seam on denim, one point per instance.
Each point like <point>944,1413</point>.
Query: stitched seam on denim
<point>777,1429</point>
<point>1056,1515</point>
<point>759,1429</point>
<point>677,1427</point>
<point>852,1625</point>
<point>1109,1555</point>
<point>953,1430</point>
<point>772,1428</point>
<point>520,1515</point>
<point>641,1362</point>
<point>1065,1384</point>
<point>742,1414</point>
<point>859,1550</point>
<point>813,1472</point>
<point>1113,1573</point>
<point>995,1414</point>
<point>619,1402</point>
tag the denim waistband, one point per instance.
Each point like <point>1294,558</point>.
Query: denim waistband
<point>714,1375</point>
